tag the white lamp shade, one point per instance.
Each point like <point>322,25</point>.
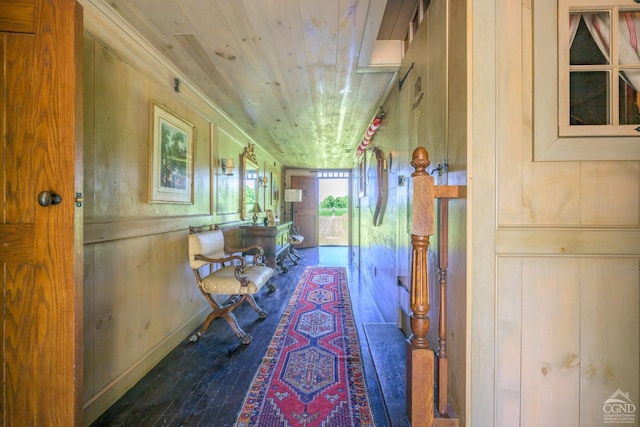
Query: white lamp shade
<point>292,195</point>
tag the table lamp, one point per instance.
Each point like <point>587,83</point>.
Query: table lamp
<point>256,210</point>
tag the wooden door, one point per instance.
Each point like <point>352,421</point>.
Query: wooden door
<point>40,48</point>
<point>305,213</point>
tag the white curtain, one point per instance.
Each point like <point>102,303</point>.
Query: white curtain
<point>599,27</point>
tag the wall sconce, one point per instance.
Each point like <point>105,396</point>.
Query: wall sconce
<point>263,181</point>
<point>227,166</point>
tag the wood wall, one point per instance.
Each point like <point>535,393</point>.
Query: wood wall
<point>554,248</point>
<point>544,263</point>
<point>428,110</point>
<point>140,297</point>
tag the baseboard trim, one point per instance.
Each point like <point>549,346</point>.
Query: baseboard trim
<point>113,391</point>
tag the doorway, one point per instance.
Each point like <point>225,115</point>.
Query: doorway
<point>323,215</point>
<point>333,208</point>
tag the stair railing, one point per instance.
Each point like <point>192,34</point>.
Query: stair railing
<point>422,408</point>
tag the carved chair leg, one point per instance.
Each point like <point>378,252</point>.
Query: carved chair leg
<point>224,311</point>
<point>214,314</point>
<point>291,258</point>
<point>252,302</point>
<point>296,253</point>
<point>270,286</point>
<point>194,337</point>
<point>245,338</point>
<point>281,264</point>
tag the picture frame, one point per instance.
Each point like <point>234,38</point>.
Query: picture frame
<point>171,157</point>
<point>270,216</point>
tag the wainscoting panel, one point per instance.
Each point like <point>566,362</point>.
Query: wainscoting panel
<point>567,337</point>
<point>140,302</point>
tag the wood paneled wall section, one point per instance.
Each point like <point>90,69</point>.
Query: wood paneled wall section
<point>140,297</point>
<point>429,111</point>
<point>554,251</point>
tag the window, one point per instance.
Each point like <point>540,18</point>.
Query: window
<point>333,173</point>
<point>599,69</point>
<point>406,41</point>
<point>415,22</point>
<point>416,18</point>
<point>586,78</point>
<point>425,5</point>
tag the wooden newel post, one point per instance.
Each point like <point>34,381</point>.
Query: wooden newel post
<point>420,356</point>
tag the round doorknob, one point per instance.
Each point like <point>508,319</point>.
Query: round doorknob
<point>46,198</point>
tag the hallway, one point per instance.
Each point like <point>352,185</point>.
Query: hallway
<point>204,384</point>
<point>333,230</point>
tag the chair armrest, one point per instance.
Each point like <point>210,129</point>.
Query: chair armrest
<point>258,257</point>
<point>243,262</point>
<point>294,229</point>
<point>245,249</point>
<point>239,269</point>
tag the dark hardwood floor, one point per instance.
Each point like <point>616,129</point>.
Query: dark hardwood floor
<point>204,384</point>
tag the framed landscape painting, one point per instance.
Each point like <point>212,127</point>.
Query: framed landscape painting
<point>171,169</point>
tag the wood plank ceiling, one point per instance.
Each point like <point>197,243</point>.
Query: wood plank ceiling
<point>289,72</point>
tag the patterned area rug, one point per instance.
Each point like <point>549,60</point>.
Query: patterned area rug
<point>312,373</point>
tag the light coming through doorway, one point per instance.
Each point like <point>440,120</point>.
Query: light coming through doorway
<point>333,205</point>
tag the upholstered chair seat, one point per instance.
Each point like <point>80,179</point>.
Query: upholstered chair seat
<point>221,270</point>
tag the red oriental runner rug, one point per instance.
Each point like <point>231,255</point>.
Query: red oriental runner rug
<point>312,372</point>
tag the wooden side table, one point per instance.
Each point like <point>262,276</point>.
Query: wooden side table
<point>274,239</point>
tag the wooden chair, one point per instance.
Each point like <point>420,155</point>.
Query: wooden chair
<point>295,238</point>
<point>222,271</point>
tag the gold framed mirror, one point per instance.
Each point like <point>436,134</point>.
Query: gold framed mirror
<point>250,174</point>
